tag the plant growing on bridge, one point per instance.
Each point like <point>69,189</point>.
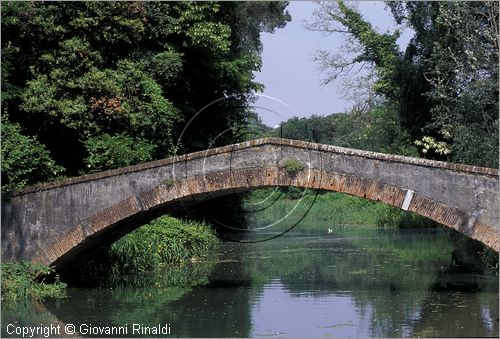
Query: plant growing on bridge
<point>169,182</point>
<point>292,167</point>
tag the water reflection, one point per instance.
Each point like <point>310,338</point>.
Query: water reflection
<point>452,312</point>
<point>277,313</point>
<point>358,282</point>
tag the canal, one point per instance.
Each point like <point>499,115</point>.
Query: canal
<point>355,281</point>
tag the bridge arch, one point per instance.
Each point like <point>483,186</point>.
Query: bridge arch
<point>104,206</point>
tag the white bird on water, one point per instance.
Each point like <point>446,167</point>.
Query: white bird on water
<point>330,231</point>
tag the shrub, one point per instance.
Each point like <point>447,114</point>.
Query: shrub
<point>292,167</point>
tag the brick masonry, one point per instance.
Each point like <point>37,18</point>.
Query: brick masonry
<point>55,222</point>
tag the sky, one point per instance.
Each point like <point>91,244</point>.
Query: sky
<point>291,77</point>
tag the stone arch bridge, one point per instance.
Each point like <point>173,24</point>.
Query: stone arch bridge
<point>57,222</point>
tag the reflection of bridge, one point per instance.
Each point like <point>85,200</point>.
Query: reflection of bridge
<point>52,223</point>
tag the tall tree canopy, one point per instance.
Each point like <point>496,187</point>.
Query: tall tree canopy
<point>106,84</point>
<point>444,85</point>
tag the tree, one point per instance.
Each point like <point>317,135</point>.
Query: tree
<point>24,160</point>
<point>445,84</point>
<point>376,130</point>
<point>114,151</point>
<point>229,76</point>
<point>464,80</point>
<point>87,77</point>
<point>456,46</point>
<point>365,49</point>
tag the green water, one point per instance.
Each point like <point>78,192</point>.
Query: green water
<point>354,282</point>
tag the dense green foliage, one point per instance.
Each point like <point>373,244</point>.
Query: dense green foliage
<point>107,84</point>
<point>25,160</point>
<point>24,282</point>
<point>106,152</point>
<point>165,240</point>
<point>444,86</point>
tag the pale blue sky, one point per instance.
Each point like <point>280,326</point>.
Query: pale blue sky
<point>289,72</point>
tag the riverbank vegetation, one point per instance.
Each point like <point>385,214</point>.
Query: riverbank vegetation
<point>164,241</point>
<point>166,247</point>
<point>164,244</point>
<point>22,282</point>
<point>323,210</point>
<point>271,211</point>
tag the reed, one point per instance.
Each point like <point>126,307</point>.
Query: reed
<point>166,240</point>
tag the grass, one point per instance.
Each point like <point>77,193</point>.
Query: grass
<point>166,240</point>
<point>326,210</point>
<point>25,281</point>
